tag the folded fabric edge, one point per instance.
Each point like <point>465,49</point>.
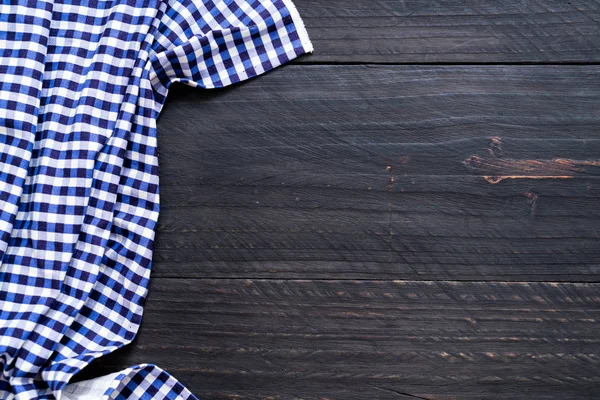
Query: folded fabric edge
<point>300,28</point>
<point>140,381</point>
<point>95,388</point>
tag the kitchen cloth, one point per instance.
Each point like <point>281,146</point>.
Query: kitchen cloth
<point>82,83</point>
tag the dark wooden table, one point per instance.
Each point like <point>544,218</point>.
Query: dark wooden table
<point>410,212</point>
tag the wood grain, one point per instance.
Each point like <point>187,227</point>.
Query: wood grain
<point>471,31</point>
<point>290,339</point>
<point>395,172</point>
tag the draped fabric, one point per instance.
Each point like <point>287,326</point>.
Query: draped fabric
<point>81,86</point>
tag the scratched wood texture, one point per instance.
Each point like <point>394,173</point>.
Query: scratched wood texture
<point>368,339</point>
<point>340,229</point>
<point>459,31</point>
<point>396,172</point>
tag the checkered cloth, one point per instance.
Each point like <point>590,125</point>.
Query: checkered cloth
<point>81,85</point>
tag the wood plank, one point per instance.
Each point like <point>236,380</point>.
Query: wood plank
<point>395,172</point>
<point>334,339</point>
<point>437,31</point>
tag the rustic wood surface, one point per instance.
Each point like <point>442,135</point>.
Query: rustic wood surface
<point>458,31</point>
<point>339,229</point>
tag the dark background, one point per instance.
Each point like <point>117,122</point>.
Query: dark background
<point>410,212</point>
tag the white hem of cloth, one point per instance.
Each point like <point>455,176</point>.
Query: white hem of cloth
<point>299,24</point>
<point>92,389</point>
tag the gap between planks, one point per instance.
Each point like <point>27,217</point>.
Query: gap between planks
<point>447,63</point>
<point>250,278</point>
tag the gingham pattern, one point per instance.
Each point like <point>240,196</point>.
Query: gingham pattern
<point>81,86</point>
